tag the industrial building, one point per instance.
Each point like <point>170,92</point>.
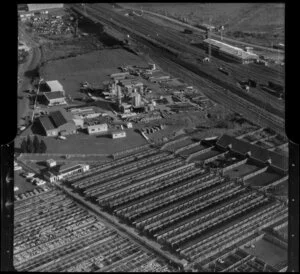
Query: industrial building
<point>94,129</point>
<point>84,113</point>
<point>54,98</point>
<point>57,124</point>
<point>38,7</point>
<point>258,154</point>
<point>230,52</point>
<point>119,76</point>
<point>118,134</point>
<point>52,86</point>
<point>136,99</point>
<point>57,173</point>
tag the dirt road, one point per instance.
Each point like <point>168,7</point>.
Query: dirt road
<point>24,70</point>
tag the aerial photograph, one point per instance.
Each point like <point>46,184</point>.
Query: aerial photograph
<point>151,138</point>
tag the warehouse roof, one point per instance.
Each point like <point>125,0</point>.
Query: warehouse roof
<point>230,49</point>
<point>97,125</point>
<point>55,85</point>
<point>46,123</point>
<point>257,153</point>
<point>58,118</point>
<point>54,95</point>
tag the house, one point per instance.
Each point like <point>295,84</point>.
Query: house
<point>118,134</point>
<point>54,98</point>
<point>57,124</point>
<point>100,128</point>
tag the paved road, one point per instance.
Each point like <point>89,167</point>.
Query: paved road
<point>31,63</point>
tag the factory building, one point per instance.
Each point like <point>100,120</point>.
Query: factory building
<point>119,76</point>
<point>258,154</point>
<point>56,124</point>
<point>84,113</point>
<point>54,98</point>
<point>136,100</point>
<point>94,129</point>
<point>38,7</point>
<point>51,86</point>
<point>79,123</point>
<point>118,134</point>
<point>58,173</point>
<point>230,52</point>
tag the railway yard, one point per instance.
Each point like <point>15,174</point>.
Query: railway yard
<point>160,155</point>
<point>174,42</point>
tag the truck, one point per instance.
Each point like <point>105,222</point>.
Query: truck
<point>221,69</point>
<point>188,31</point>
<point>62,137</point>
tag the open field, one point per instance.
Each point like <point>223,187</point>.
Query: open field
<point>86,144</point>
<point>93,67</point>
<point>263,21</point>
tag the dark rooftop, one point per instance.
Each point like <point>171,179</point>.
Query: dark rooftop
<point>46,122</point>
<point>257,153</point>
<point>54,95</point>
<point>57,118</point>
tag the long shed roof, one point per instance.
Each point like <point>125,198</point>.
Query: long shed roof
<point>46,123</point>
<point>257,153</point>
<point>55,85</point>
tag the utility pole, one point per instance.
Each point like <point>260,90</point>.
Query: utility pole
<point>209,45</point>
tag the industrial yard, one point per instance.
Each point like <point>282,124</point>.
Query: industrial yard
<point>151,139</point>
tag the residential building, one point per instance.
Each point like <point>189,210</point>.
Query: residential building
<point>94,129</point>
<point>118,134</point>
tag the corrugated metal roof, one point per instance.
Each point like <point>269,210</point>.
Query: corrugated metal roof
<point>57,118</point>
<point>226,48</point>
<point>46,123</point>
<point>257,153</point>
<point>54,95</point>
<point>33,7</point>
<point>55,85</point>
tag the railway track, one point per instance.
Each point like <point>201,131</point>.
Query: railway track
<point>174,40</point>
<point>255,113</point>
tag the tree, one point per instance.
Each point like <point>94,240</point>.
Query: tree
<point>36,144</point>
<point>24,146</point>
<point>43,147</point>
<point>29,144</point>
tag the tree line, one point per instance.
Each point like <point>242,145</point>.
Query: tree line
<point>34,145</point>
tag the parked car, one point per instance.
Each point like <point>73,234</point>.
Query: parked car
<point>62,137</point>
<point>17,168</point>
<point>29,175</point>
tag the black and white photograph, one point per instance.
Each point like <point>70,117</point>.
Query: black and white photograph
<point>151,138</point>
